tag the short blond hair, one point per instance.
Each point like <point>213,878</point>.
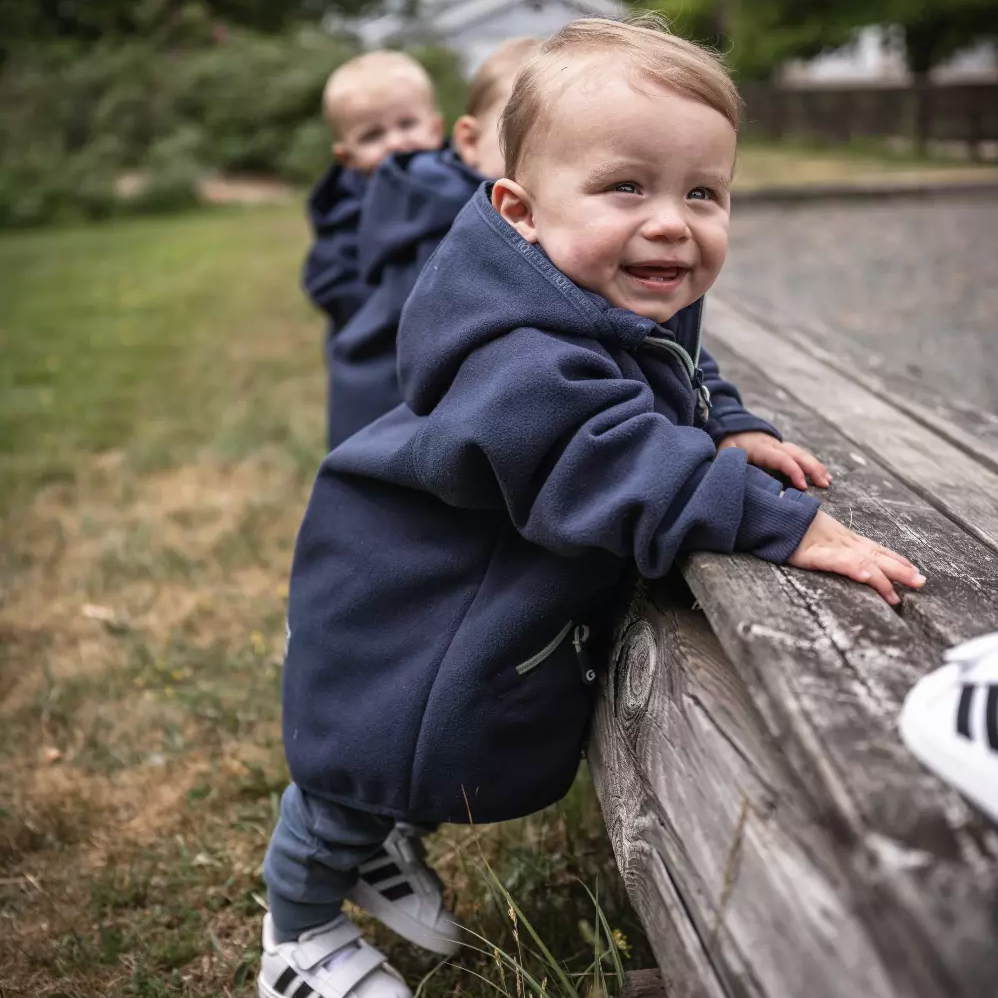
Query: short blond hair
<point>366,73</point>
<point>499,70</point>
<point>644,44</point>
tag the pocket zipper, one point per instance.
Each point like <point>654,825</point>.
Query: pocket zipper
<point>535,660</point>
<point>580,635</point>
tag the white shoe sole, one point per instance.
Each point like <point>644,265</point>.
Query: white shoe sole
<point>967,772</point>
<point>398,921</point>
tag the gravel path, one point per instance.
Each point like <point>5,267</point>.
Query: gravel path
<point>913,281</point>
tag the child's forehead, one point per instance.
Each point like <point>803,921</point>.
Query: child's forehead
<point>625,112</point>
<point>375,97</point>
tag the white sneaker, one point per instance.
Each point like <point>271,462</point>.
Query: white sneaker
<point>332,961</point>
<point>950,721</point>
<point>398,888</point>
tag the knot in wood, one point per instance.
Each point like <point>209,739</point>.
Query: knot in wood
<point>635,670</point>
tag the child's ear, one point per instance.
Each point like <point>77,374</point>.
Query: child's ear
<point>464,138</point>
<point>342,153</point>
<point>513,203</point>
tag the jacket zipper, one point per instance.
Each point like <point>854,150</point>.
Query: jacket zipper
<point>689,364</point>
<point>580,635</point>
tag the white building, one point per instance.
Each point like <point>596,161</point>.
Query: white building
<point>472,28</point>
<point>877,56</point>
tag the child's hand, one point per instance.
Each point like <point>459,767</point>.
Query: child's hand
<point>765,451</point>
<point>829,546</point>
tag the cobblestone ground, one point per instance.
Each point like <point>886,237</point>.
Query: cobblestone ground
<point>914,281</point>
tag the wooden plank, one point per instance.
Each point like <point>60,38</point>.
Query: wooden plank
<point>936,469</point>
<point>971,429</point>
<point>644,984</point>
<point>828,664</point>
<point>772,902</point>
<point>961,598</point>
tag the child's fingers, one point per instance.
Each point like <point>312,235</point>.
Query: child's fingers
<point>815,470</point>
<point>900,569</point>
<point>779,459</point>
<point>860,567</point>
<point>888,553</point>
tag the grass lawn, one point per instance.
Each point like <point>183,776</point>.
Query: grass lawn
<point>797,164</point>
<point>160,423</point>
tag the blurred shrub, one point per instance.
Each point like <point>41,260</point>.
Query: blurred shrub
<point>131,126</point>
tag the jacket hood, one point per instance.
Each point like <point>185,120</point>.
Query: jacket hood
<point>336,199</point>
<point>485,280</point>
<point>411,197</point>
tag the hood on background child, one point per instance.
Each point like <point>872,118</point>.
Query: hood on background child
<point>410,203</point>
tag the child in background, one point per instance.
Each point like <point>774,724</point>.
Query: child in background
<point>562,426</point>
<point>376,104</point>
<point>409,206</point>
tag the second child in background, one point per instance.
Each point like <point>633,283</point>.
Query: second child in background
<point>375,105</point>
<point>409,205</point>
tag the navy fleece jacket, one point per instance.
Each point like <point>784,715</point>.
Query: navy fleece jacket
<point>454,552</point>
<point>410,204</point>
<point>331,274</point>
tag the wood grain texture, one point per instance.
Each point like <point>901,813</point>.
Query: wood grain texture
<point>644,984</point>
<point>774,833</point>
<point>950,479</point>
<point>973,430</point>
<point>961,598</point>
<point>761,897</point>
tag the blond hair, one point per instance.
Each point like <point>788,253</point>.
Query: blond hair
<point>367,73</point>
<point>646,46</point>
<point>489,83</point>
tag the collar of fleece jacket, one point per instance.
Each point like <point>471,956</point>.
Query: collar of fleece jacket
<point>412,197</point>
<point>462,300</point>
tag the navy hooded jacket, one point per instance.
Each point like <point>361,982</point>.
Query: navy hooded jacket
<point>331,274</point>
<point>453,553</point>
<point>410,204</point>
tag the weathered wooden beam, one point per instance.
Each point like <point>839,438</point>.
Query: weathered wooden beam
<point>775,835</point>
<point>741,884</point>
<point>961,599</point>
<point>644,984</point>
<point>931,466</point>
<point>971,429</point>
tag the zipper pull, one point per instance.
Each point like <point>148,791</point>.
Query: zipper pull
<point>579,638</point>
<point>703,397</point>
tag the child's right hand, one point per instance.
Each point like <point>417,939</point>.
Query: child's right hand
<point>828,546</point>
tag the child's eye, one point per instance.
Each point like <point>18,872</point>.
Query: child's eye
<point>626,188</point>
<point>701,194</point>
<point>372,136</point>
<point>407,123</point>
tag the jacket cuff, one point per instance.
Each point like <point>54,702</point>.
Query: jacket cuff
<point>723,424</point>
<point>773,523</point>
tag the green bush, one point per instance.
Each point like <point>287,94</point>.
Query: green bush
<point>74,120</point>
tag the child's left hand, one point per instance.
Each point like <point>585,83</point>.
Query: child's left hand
<point>796,463</point>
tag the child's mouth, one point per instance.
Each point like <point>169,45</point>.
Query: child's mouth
<point>658,277</point>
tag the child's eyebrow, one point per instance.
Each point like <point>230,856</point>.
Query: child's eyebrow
<point>721,180</point>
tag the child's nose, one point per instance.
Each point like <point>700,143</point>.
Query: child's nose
<point>667,221</point>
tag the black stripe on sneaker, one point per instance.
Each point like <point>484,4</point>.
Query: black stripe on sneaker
<point>303,992</point>
<point>398,891</point>
<point>381,873</point>
<point>963,711</point>
<point>991,713</point>
<point>282,982</point>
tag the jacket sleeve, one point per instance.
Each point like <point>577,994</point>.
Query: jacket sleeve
<point>548,426</point>
<point>331,275</point>
<point>727,414</point>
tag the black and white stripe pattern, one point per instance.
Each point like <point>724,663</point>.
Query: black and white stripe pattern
<point>969,697</point>
<point>283,985</point>
<point>382,873</point>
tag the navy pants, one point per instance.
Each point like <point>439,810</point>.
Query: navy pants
<point>313,857</point>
